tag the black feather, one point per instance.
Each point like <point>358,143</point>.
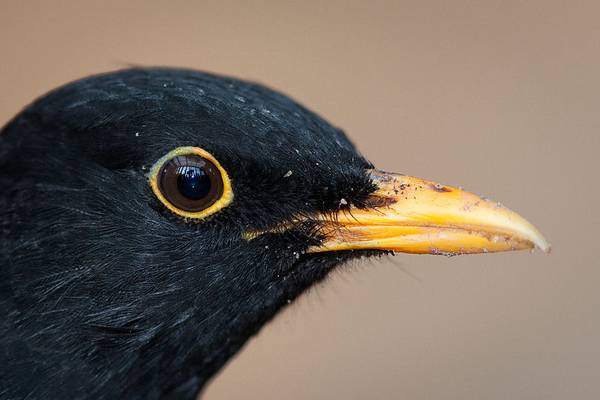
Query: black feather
<point>104,294</point>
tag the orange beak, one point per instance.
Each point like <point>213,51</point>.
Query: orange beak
<point>412,215</point>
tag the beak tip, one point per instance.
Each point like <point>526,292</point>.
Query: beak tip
<point>544,246</point>
<point>540,243</point>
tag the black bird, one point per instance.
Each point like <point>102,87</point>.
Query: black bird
<point>153,219</point>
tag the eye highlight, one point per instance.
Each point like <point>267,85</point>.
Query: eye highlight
<point>190,182</point>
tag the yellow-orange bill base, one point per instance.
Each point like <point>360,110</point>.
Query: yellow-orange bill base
<point>412,215</point>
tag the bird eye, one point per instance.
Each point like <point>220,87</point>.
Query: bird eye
<point>190,182</point>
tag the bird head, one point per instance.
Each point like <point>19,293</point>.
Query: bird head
<point>154,219</point>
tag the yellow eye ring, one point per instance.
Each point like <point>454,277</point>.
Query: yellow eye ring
<point>191,183</point>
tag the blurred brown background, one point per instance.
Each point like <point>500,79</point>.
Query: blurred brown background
<point>498,96</point>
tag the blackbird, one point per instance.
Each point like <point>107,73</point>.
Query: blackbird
<point>154,219</point>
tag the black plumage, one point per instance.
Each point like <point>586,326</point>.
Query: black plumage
<point>109,292</point>
<point>105,294</point>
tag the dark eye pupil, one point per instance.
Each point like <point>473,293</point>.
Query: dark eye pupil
<point>190,182</point>
<point>193,182</point>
